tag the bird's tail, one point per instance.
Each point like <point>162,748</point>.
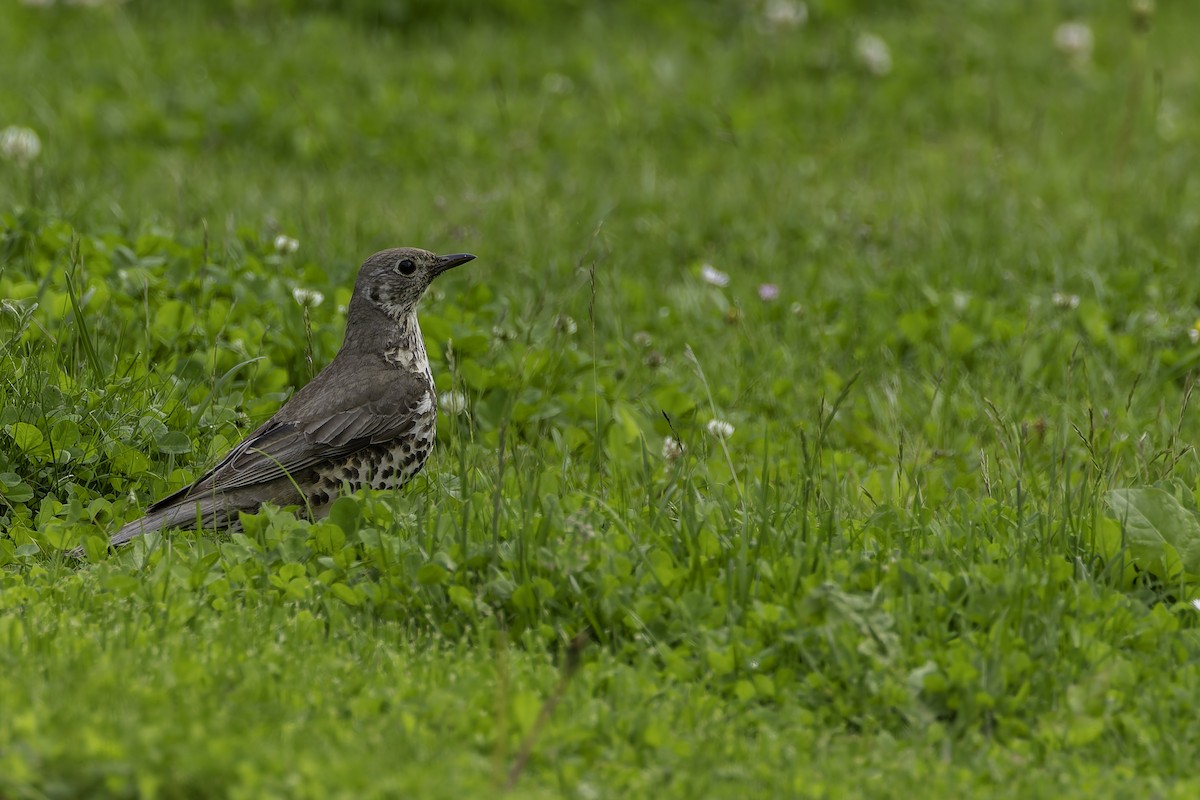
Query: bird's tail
<point>178,515</point>
<point>185,513</point>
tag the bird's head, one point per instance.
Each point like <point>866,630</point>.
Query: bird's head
<point>394,280</point>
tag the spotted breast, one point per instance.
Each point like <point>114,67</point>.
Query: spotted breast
<point>388,465</point>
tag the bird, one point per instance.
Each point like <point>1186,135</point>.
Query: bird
<point>366,420</point>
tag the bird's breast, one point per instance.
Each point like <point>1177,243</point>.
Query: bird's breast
<point>387,465</point>
<point>406,348</point>
<point>408,356</point>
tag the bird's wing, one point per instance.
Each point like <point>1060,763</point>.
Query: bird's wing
<point>301,434</point>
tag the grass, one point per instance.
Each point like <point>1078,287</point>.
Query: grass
<point>950,547</point>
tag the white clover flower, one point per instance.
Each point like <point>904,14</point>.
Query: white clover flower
<point>453,402</point>
<point>566,325</point>
<point>714,276</point>
<point>557,83</point>
<point>781,14</point>
<point>672,448</point>
<point>643,339</point>
<point>1075,41</point>
<point>20,144</point>
<point>1194,332</point>
<point>768,292</point>
<point>874,54</point>
<point>1065,301</point>
<point>1167,121</point>
<point>720,428</point>
<point>1196,604</point>
<point>286,244</point>
<point>309,298</point>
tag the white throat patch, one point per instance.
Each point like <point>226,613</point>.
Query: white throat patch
<point>407,350</point>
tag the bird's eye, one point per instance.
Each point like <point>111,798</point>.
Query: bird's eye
<point>406,266</point>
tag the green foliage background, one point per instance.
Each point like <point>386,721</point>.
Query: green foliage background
<point>950,547</point>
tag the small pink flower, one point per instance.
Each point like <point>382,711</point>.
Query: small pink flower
<point>768,292</point>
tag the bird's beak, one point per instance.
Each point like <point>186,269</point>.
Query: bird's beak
<point>448,262</point>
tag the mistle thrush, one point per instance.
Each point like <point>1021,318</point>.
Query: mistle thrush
<point>367,419</point>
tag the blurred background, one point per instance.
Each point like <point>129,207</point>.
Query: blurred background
<point>768,132</point>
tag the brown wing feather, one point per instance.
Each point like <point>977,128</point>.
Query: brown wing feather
<point>300,435</point>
